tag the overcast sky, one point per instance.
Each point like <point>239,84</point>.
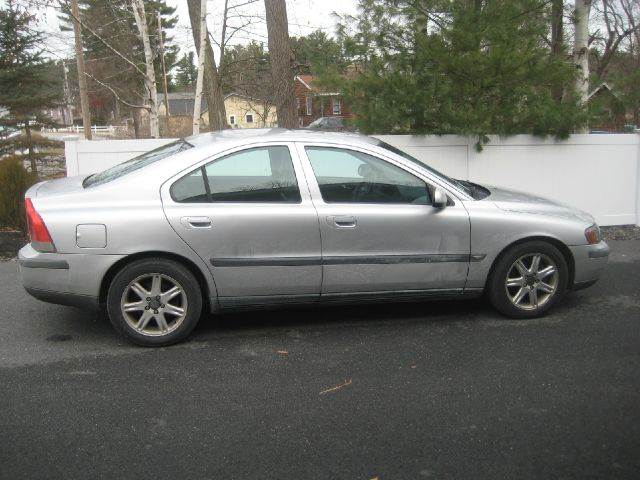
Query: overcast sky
<point>304,16</point>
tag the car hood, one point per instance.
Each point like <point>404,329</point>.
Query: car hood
<point>514,201</point>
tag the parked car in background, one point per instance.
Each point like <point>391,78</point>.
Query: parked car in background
<point>328,123</point>
<point>255,218</point>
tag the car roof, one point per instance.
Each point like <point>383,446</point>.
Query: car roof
<point>257,135</point>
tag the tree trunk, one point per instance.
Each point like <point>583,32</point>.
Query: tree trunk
<point>32,158</point>
<point>202,42</point>
<point>581,52</point>
<point>281,58</point>
<point>212,87</point>
<point>164,65</point>
<point>150,77</point>
<point>581,48</point>
<point>82,80</point>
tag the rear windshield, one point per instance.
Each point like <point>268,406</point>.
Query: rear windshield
<point>136,163</point>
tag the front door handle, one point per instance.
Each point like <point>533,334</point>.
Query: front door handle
<point>196,222</point>
<point>342,221</point>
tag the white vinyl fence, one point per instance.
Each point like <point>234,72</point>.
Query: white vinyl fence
<point>597,173</point>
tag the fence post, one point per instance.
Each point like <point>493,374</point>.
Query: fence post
<point>638,180</point>
<point>71,157</point>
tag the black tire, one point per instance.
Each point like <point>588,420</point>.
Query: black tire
<point>497,292</point>
<point>169,269</point>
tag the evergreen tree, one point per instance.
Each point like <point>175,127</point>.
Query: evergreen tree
<point>28,84</point>
<point>186,72</point>
<point>318,53</point>
<point>470,67</point>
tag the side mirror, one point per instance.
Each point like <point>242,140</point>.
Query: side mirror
<point>439,198</point>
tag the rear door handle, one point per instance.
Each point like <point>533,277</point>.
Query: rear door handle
<point>342,221</point>
<point>196,222</point>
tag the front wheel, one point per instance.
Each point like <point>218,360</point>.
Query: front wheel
<point>528,280</point>
<point>154,302</point>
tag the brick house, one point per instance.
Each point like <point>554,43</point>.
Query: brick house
<point>313,102</point>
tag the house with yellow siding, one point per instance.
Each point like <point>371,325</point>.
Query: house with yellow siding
<point>243,111</point>
<point>248,112</point>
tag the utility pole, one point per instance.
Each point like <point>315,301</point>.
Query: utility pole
<point>200,79</point>
<point>281,58</point>
<point>164,66</point>
<point>82,80</point>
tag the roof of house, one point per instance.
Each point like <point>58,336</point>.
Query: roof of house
<point>182,103</point>
<point>309,82</point>
<point>603,87</point>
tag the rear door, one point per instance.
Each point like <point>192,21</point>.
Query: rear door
<point>379,231</point>
<point>248,214</point>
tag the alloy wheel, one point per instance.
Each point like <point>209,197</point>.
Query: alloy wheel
<point>532,281</point>
<point>154,304</point>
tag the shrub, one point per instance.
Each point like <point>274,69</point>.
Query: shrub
<point>14,181</point>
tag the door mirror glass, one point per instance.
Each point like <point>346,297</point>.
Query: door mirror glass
<point>439,198</point>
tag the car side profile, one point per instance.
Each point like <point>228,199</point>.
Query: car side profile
<point>248,219</point>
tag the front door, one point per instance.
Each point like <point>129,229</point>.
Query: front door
<point>246,216</point>
<point>379,231</point>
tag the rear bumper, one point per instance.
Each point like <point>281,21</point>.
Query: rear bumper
<point>590,261</point>
<point>65,279</point>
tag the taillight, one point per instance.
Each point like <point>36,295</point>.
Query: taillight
<point>38,233</point>
<point>592,234</point>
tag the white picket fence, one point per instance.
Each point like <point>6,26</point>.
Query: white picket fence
<point>597,173</point>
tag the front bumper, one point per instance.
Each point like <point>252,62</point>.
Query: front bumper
<point>65,279</point>
<point>589,262</point>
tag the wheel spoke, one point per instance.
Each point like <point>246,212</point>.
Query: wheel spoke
<point>144,320</point>
<point>134,306</point>
<point>521,268</point>
<point>544,287</point>
<point>533,297</point>
<point>161,321</point>
<point>155,285</point>
<point>139,290</point>
<point>545,272</point>
<point>171,294</point>
<point>535,263</point>
<point>173,310</point>
<point>515,282</point>
<point>520,295</point>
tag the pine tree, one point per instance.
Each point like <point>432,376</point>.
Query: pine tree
<point>28,84</point>
<point>186,72</point>
<point>472,68</point>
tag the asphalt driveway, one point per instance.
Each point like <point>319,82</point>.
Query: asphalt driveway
<point>407,391</point>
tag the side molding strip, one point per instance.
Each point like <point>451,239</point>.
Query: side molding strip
<point>343,260</point>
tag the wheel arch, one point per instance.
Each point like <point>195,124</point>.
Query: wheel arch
<point>189,264</point>
<point>564,250</point>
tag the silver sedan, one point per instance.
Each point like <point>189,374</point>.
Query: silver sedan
<point>247,219</point>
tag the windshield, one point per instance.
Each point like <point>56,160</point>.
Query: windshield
<point>136,163</point>
<point>456,183</point>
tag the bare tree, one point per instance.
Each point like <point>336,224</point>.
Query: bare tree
<point>82,81</point>
<point>150,76</point>
<point>201,55</point>
<point>282,61</point>
<point>619,25</point>
<point>212,85</point>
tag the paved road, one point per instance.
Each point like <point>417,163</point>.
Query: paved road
<point>433,390</point>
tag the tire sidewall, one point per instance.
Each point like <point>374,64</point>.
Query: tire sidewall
<point>147,266</point>
<point>498,295</point>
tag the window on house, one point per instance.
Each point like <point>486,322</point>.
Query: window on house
<point>232,120</point>
<point>309,105</point>
<point>249,118</point>
<point>337,106</point>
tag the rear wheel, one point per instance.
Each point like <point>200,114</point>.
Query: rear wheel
<point>528,280</point>
<point>154,302</point>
